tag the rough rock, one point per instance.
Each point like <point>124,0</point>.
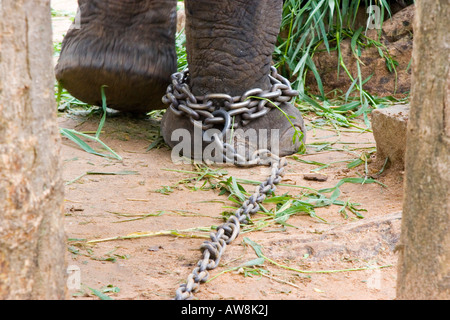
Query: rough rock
<point>396,36</point>
<point>389,130</point>
<point>365,239</point>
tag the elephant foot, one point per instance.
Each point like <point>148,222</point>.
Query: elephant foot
<point>281,131</point>
<point>124,92</point>
<point>126,46</point>
<point>278,133</point>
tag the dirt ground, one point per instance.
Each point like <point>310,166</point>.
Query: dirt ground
<point>150,199</point>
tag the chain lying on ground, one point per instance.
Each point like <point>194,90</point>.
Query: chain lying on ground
<point>203,112</point>
<point>212,250</point>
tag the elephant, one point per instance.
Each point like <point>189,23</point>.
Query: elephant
<point>128,46</point>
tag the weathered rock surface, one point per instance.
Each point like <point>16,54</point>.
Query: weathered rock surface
<point>389,130</point>
<point>365,239</point>
<point>396,36</point>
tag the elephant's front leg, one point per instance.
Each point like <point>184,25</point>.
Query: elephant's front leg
<point>229,46</point>
<point>127,45</point>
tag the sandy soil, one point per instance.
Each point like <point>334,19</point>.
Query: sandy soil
<point>100,206</point>
<point>104,206</point>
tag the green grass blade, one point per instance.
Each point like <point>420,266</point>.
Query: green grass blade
<point>103,119</point>
<point>100,294</point>
<point>72,135</point>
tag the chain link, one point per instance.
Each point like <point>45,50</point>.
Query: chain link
<point>203,113</point>
<point>212,250</point>
<point>253,104</point>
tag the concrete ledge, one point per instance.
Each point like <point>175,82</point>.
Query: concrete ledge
<point>389,129</point>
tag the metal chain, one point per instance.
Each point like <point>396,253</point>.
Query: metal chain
<point>213,250</point>
<point>253,104</point>
<point>230,155</point>
<point>202,112</point>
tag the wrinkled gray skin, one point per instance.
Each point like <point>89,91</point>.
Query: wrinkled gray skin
<point>128,45</point>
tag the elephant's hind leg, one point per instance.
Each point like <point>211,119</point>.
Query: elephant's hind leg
<point>229,46</point>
